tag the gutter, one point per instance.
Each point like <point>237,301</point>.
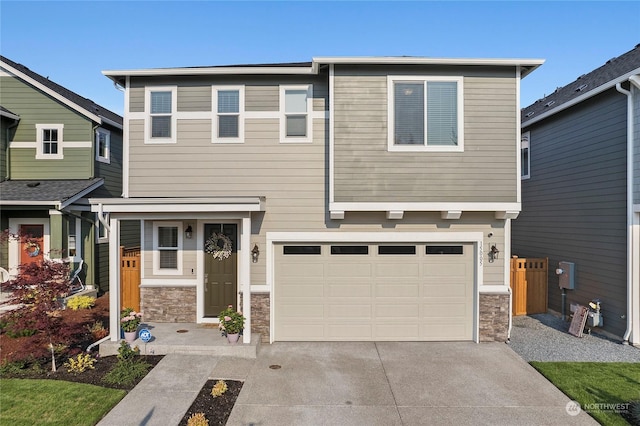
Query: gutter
<point>630,289</point>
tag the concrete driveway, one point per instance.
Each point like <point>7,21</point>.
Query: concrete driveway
<point>396,383</point>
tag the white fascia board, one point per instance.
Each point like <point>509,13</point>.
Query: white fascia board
<point>475,207</point>
<point>152,72</point>
<point>30,203</point>
<point>51,93</point>
<point>115,124</point>
<point>390,60</point>
<point>175,205</point>
<point>9,115</point>
<point>81,194</point>
<point>602,88</point>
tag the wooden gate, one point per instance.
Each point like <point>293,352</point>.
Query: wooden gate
<point>130,278</point>
<point>529,282</point>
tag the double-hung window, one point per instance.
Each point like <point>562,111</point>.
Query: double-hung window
<point>161,109</point>
<point>425,113</point>
<point>103,145</point>
<point>228,122</point>
<point>49,141</point>
<point>525,159</point>
<point>167,241</point>
<point>296,106</point>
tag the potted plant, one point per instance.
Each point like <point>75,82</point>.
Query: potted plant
<point>231,323</point>
<point>129,321</point>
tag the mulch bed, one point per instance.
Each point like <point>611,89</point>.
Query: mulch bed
<point>218,409</point>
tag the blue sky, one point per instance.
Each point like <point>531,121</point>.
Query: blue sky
<point>72,42</point>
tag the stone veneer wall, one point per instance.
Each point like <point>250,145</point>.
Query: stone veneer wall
<point>494,317</point>
<point>260,315</point>
<point>168,304</point>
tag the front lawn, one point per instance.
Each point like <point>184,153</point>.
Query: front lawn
<point>600,388</point>
<point>54,402</point>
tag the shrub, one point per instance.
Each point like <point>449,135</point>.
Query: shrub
<point>197,419</point>
<point>81,302</point>
<point>219,388</point>
<point>126,352</point>
<point>23,367</point>
<point>81,364</point>
<point>97,330</point>
<point>126,373</point>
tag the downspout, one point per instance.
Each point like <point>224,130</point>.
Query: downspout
<point>619,88</point>
<point>104,339</point>
<point>8,152</point>
<point>101,218</point>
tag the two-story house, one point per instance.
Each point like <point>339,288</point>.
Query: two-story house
<point>58,148</point>
<point>581,191</point>
<point>358,198</point>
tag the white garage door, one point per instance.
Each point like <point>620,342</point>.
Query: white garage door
<point>374,292</point>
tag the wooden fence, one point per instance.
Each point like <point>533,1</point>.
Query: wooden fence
<point>130,277</point>
<point>529,281</point>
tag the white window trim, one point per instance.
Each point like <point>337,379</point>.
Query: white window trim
<point>40,155</point>
<point>309,112</point>
<point>525,143</point>
<point>100,158</point>
<point>214,116</point>
<point>421,148</point>
<point>156,250</point>
<point>147,112</point>
<point>79,240</point>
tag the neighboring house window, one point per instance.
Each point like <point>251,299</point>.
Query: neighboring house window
<point>525,156</point>
<point>102,235</point>
<point>296,105</point>
<point>161,108</point>
<point>49,139</point>
<point>425,113</point>
<point>167,244</point>
<point>74,241</point>
<point>228,122</point>
<point>103,146</point>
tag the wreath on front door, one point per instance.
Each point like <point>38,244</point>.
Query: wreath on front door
<point>32,248</point>
<point>219,246</point>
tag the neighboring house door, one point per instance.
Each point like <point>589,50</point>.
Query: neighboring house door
<point>220,276</point>
<point>31,244</point>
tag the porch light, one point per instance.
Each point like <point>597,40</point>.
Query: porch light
<point>188,233</point>
<point>255,253</point>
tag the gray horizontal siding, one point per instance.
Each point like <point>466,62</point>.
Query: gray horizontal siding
<point>365,171</point>
<point>574,204</point>
<point>111,172</point>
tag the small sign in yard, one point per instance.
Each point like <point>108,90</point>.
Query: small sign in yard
<point>579,320</point>
<point>145,335</point>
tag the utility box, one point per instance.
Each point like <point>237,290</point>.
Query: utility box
<point>566,275</point>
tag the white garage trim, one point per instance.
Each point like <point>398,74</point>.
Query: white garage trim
<point>374,237</point>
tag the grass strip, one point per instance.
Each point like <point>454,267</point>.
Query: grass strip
<point>54,402</point>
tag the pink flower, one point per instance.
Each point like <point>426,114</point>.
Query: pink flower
<point>227,318</point>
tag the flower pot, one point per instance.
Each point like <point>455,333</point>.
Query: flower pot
<point>233,338</point>
<point>130,336</point>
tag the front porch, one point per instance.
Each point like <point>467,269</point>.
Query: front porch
<point>186,338</point>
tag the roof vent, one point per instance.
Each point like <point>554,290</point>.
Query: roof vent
<point>581,88</point>
<point>548,104</point>
<point>530,114</point>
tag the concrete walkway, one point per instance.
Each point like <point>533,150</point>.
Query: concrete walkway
<point>357,383</point>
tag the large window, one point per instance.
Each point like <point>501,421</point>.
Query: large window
<point>525,159</point>
<point>295,109</point>
<point>228,122</point>
<point>167,238</point>
<point>49,141</point>
<point>425,114</point>
<point>161,107</point>
<point>103,145</point>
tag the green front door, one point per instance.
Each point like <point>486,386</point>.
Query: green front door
<point>220,276</point>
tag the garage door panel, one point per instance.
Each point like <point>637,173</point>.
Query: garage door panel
<point>419,297</point>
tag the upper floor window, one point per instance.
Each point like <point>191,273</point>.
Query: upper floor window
<point>161,108</point>
<point>295,113</point>
<point>228,123</point>
<point>103,145</point>
<point>425,113</point>
<point>525,159</point>
<point>167,247</point>
<point>49,139</point>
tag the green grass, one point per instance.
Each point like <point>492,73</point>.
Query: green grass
<point>592,383</point>
<point>54,402</point>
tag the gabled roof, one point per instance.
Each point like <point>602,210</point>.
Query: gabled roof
<point>614,71</point>
<point>81,104</point>
<point>58,193</point>
<point>310,68</point>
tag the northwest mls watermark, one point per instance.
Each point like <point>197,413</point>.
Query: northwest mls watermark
<point>573,407</point>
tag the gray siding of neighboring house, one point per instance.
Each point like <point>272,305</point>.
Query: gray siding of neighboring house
<point>129,237</point>
<point>111,172</point>
<point>574,204</point>
<point>34,107</point>
<point>365,171</point>
<point>4,128</point>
